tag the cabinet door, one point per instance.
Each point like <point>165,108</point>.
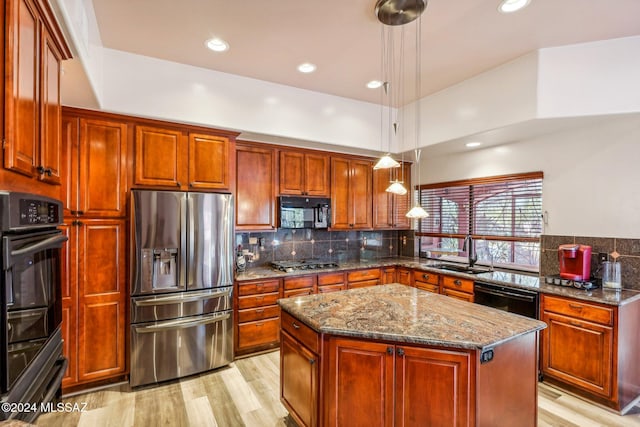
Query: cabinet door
<point>102,187</point>
<point>389,275</point>
<point>101,298</point>
<point>340,204</point>
<point>359,386</point>
<point>382,200</point>
<point>255,188</point>
<point>208,162</point>
<point>51,112</point>
<point>316,173</point>
<point>404,276</point>
<point>447,377</point>
<point>299,381</point>
<point>161,157</point>
<point>578,352</point>
<point>22,98</point>
<point>69,295</point>
<point>360,188</point>
<point>292,166</point>
<point>70,168</point>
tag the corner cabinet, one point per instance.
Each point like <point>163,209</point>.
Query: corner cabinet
<point>255,187</point>
<point>389,210</point>
<point>304,173</point>
<point>351,201</point>
<point>591,349</point>
<point>34,50</point>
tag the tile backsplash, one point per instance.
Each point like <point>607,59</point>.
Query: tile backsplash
<point>628,250</point>
<point>335,246</point>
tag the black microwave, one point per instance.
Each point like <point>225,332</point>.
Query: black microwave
<point>304,212</point>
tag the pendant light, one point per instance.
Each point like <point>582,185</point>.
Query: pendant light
<point>418,212</point>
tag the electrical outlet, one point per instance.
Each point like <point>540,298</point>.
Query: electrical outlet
<point>602,257</point>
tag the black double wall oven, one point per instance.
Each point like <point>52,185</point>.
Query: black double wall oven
<point>31,361</point>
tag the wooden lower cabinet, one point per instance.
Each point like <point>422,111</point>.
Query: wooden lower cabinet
<point>363,278</point>
<point>379,384</point>
<point>457,288</point>
<point>403,275</point>
<point>426,281</point>
<point>257,319</point>
<point>94,300</point>
<point>331,282</point>
<point>389,275</point>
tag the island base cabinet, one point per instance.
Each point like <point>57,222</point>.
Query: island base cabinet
<point>378,384</point>
<point>299,381</point>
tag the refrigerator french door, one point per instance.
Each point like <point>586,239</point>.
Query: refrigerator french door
<point>182,283</point>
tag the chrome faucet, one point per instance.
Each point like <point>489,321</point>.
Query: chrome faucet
<point>468,246</point>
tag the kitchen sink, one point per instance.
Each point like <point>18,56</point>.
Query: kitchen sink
<point>462,268</point>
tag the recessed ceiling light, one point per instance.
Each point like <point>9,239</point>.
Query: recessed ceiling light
<point>508,6</point>
<point>473,144</point>
<point>306,67</point>
<point>374,84</point>
<point>217,44</point>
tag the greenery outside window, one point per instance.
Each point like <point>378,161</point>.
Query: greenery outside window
<point>503,214</point>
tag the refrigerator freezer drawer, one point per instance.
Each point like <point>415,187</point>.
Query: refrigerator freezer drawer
<point>171,306</point>
<point>166,350</point>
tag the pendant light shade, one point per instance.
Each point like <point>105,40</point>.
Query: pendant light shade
<point>417,212</point>
<point>386,162</point>
<point>396,187</point>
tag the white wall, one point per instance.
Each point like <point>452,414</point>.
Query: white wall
<point>591,184</point>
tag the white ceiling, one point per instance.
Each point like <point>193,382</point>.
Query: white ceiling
<point>461,38</point>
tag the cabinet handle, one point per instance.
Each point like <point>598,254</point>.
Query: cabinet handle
<point>178,184</point>
<point>457,282</point>
<point>425,276</point>
<point>191,184</point>
<point>77,223</point>
<point>312,361</point>
<point>48,171</point>
<point>79,212</point>
<point>295,325</point>
<point>40,170</point>
<point>390,350</point>
<point>576,307</point>
<point>400,352</point>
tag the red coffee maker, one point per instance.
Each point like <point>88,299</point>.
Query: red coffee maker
<point>575,262</point>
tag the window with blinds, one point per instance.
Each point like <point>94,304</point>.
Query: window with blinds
<point>503,214</point>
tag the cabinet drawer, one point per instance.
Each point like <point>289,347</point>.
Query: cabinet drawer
<point>427,287</point>
<point>298,292</point>
<point>371,273</point>
<point>262,332</point>
<point>258,300</point>
<point>299,282</point>
<point>363,283</point>
<point>464,296</point>
<point>426,277</point>
<point>300,332</point>
<point>261,287</point>
<point>252,314</point>
<point>457,284</point>
<point>330,279</point>
<point>331,288</point>
<point>579,309</point>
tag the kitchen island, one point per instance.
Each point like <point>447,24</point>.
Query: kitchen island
<point>395,355</point>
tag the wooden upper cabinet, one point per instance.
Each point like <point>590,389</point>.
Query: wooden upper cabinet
<point>94,159</point>
<point>179,159</point>
<point>351,201</point>
<point>304,173</point>
<point>389,209</point>
<point>209,165</point>
<point>34,51</point>
<point>255,187</point>
<point>161,157</point>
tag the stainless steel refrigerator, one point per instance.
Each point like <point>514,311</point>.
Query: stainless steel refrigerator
<point>181,284</point>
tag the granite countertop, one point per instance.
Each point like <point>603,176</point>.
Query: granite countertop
<point>403,314</point>
<point>504,278</point>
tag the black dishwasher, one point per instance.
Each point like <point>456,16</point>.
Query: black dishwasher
<point>513,300</point>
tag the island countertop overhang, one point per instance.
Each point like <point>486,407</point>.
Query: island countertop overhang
<point>406,315</point>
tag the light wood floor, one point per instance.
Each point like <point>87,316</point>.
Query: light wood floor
<point>246,394</point>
